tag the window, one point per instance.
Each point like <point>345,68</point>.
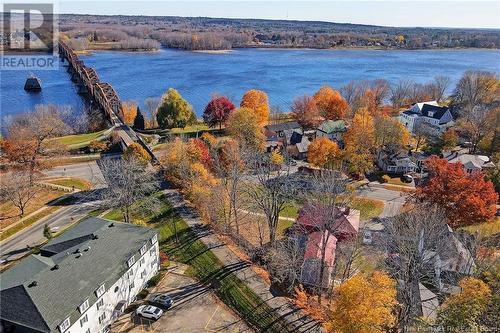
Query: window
<point>154,239</point>
<point>142,262</point>
<point>152,251</point>
<point>100,303</point>
<point>143,249</point>
<point>102,317</point>
<point>131,286</point>
<point>84,306</point>
<point>64,325</point>
<point>88,330</point>
<point>130,273</point>
<point>84,320</point>
<point>153,264</point>
<point>143,274</point>
<point>100,291</point>
<point>131,261</point>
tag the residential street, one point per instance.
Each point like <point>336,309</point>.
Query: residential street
<point>17,245</point>
<point>89,171</point>
<point>393,200</point>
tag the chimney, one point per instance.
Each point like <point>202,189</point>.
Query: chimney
<point>347,211</point>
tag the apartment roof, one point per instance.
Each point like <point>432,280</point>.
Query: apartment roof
<point>433,111</point>
<point>283,126</point>
<point>346,223</point>
<point>315,244</point>
<point>470,161</point>
<point>332,126</point>
<point>43,290</point>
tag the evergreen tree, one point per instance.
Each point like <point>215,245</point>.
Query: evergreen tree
<point>47,233</point>
<point>139,120</point>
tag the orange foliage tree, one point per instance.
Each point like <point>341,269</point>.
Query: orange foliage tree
<point>129,112</point>
<point>466,198</point>
<point>306,112</point>
<point>330,103</point>
<point>364,305</point>
<point>136,151</point>
<point>258,101</point>
<point>323,153</point>
<point>244,127</point>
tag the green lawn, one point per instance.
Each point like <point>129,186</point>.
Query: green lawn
<point>369,208</point>
<point>485,229</point>
<point>206,267</point>
<point>78,139</point>
<point>77,183</point>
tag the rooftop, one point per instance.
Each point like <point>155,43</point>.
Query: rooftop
<point>44,289</point>
<point>283,126</point>
<point>332,126</point>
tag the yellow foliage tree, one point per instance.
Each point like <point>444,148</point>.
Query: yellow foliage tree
<point>135,150</point>
<point>243,126</point>
<point>390,131</point>
<point>323,153</point>
<point>258,101</point>
<point>461,312</point>
<point>129,112</point>
<point>360,142</point>
<point>363,305</point>
<point>330,103</point>
<point>276,158</point>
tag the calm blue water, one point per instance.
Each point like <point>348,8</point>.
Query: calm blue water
<point>283,74</point>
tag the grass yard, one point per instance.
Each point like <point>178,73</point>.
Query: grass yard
<point>485,229</point>
<point>79,139</point>
<point>205,266</point>
<point>190,129</point>
<point>77,183</point>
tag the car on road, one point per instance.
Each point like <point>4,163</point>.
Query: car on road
<point>406,179</point>
<point>149,311</point>
<point>162,300</point>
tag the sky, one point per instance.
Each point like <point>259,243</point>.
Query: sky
<point>401,13</point>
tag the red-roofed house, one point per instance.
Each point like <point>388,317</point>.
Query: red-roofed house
<point>317,217</point>
<point>312,258</point>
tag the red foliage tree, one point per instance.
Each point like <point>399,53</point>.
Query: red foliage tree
<point>306,112</point>
<point>466,198</point>
<point>217,111</point>
<point>200,152</point>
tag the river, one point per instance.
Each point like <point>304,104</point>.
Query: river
<point>282,73</point>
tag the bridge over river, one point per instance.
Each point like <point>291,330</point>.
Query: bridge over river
<point>102,95</point>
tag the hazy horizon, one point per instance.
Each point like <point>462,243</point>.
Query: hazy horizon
<point>426,14</point>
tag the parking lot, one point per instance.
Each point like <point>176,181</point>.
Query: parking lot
<point>195,309</point>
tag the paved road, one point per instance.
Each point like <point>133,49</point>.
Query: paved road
<point>89,171</point>
<point>393,200</point>
<point>16,246</point>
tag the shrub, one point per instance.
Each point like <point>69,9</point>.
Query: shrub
<point>155,280</point>
<point>143,294</point>
<point>385,179</point>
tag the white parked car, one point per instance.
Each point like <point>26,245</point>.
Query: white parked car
<point>149,311</point>
<point>162,300</point>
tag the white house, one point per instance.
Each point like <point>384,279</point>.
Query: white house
<point>437,117</point>
<point>81,281</point>
<point>471,163</point>
<point>395,161</point>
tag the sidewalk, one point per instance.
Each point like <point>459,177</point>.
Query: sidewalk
<point>295,319</point>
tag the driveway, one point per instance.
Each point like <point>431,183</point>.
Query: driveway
<point>196,309</point>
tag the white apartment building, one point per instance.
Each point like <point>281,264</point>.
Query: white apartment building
<point>438,118</point>
<point>81,281</point>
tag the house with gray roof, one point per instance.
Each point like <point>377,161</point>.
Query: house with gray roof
<point>471,163</point>
<point>332,129</point>
<point>80,281</point>
<point>437,118</point>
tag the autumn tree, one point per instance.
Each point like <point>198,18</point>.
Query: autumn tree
<point>475,90</point>
<point>217,111</point>
<point>481,124</point>
<point>449,139</point>
<point>129,112</point>
<point>364,304</point>
<point>139,121</point>
<point>128,181</point>
<point>174,111</point>
<point>28,137</point>
<point>390,131</point>
<point>330,103</point>
<point>244,127</point>
<point>306,112</point>
<point>462,312</point>
<point>258,101</point>
<point>466,198</point>
<point>323,153</point>
<point>19,189</point>
<point>360,142</point>
<point>136,151</point>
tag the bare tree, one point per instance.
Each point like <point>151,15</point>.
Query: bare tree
<point>128,181</point>
<point>284,262</point>
<point>414,240</point>
<point>440,85</point>
<point>475,90</point>
<point>18,188</point>
<point>151,104</point>
<point>401,92</point>
<point>269,189</point>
